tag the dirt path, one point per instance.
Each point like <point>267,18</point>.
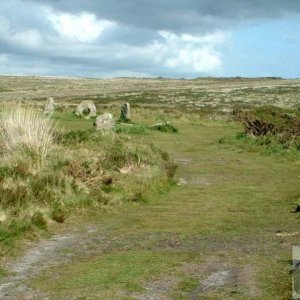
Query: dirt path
<point>212,237</point>
<point>59,250</point>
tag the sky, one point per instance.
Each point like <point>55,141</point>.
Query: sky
<point>150,38</point>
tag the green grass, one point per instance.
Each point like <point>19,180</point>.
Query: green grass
<point>132,129</point>
<point>109,273</point>
<point>230,210</point>
<point>267,145</point>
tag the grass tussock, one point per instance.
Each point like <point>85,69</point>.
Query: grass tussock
<point>26,133</point>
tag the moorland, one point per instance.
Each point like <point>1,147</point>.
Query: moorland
<point>206,208</point>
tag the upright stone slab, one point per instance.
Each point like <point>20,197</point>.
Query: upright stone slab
<point>86,109</point>
<point>105,123</point>
<point>49,107</point>
<point>125,112</point>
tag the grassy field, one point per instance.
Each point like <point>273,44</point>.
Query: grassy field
<point>224,230</point>
<point>231,214</point>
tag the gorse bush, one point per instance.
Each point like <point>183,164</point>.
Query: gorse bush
<point>27,133</point>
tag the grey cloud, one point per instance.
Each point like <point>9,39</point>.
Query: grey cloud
<point>179,15</point>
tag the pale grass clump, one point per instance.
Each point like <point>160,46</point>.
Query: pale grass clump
<point>26,133</point>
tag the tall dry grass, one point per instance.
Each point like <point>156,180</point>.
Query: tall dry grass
<point>26,133</point>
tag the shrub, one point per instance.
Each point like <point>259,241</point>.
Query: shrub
<point>272,125</point>
<point>257,127</point>
<point>279,119</point>
<point>27,133</point>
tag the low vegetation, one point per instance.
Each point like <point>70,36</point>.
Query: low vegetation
<point>50,175</point>
<point>269,129</point>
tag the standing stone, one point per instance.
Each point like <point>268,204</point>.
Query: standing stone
<point>125,112</point>
<point>86,109</point>
<point>105,123</point>
<point>49,107</point>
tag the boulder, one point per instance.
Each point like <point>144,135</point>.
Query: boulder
<point>125,112</point>
<point>49,106</point>
<point>105,123</point>
<point>86,109</point>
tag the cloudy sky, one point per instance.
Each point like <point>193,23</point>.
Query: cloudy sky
<point>149,38</point>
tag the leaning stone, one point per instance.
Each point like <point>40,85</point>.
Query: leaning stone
<point>86,109</point>
<point>125,112</point>
<point>105,123</point>
<point>49,107</point>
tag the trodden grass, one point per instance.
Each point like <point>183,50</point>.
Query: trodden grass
<point>225,232</point>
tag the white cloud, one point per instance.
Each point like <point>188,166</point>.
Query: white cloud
<point>200,60</point>
<point>192,53</point>
<point>216,38</point>
<point>177,54</point>
<point>84,27</point>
